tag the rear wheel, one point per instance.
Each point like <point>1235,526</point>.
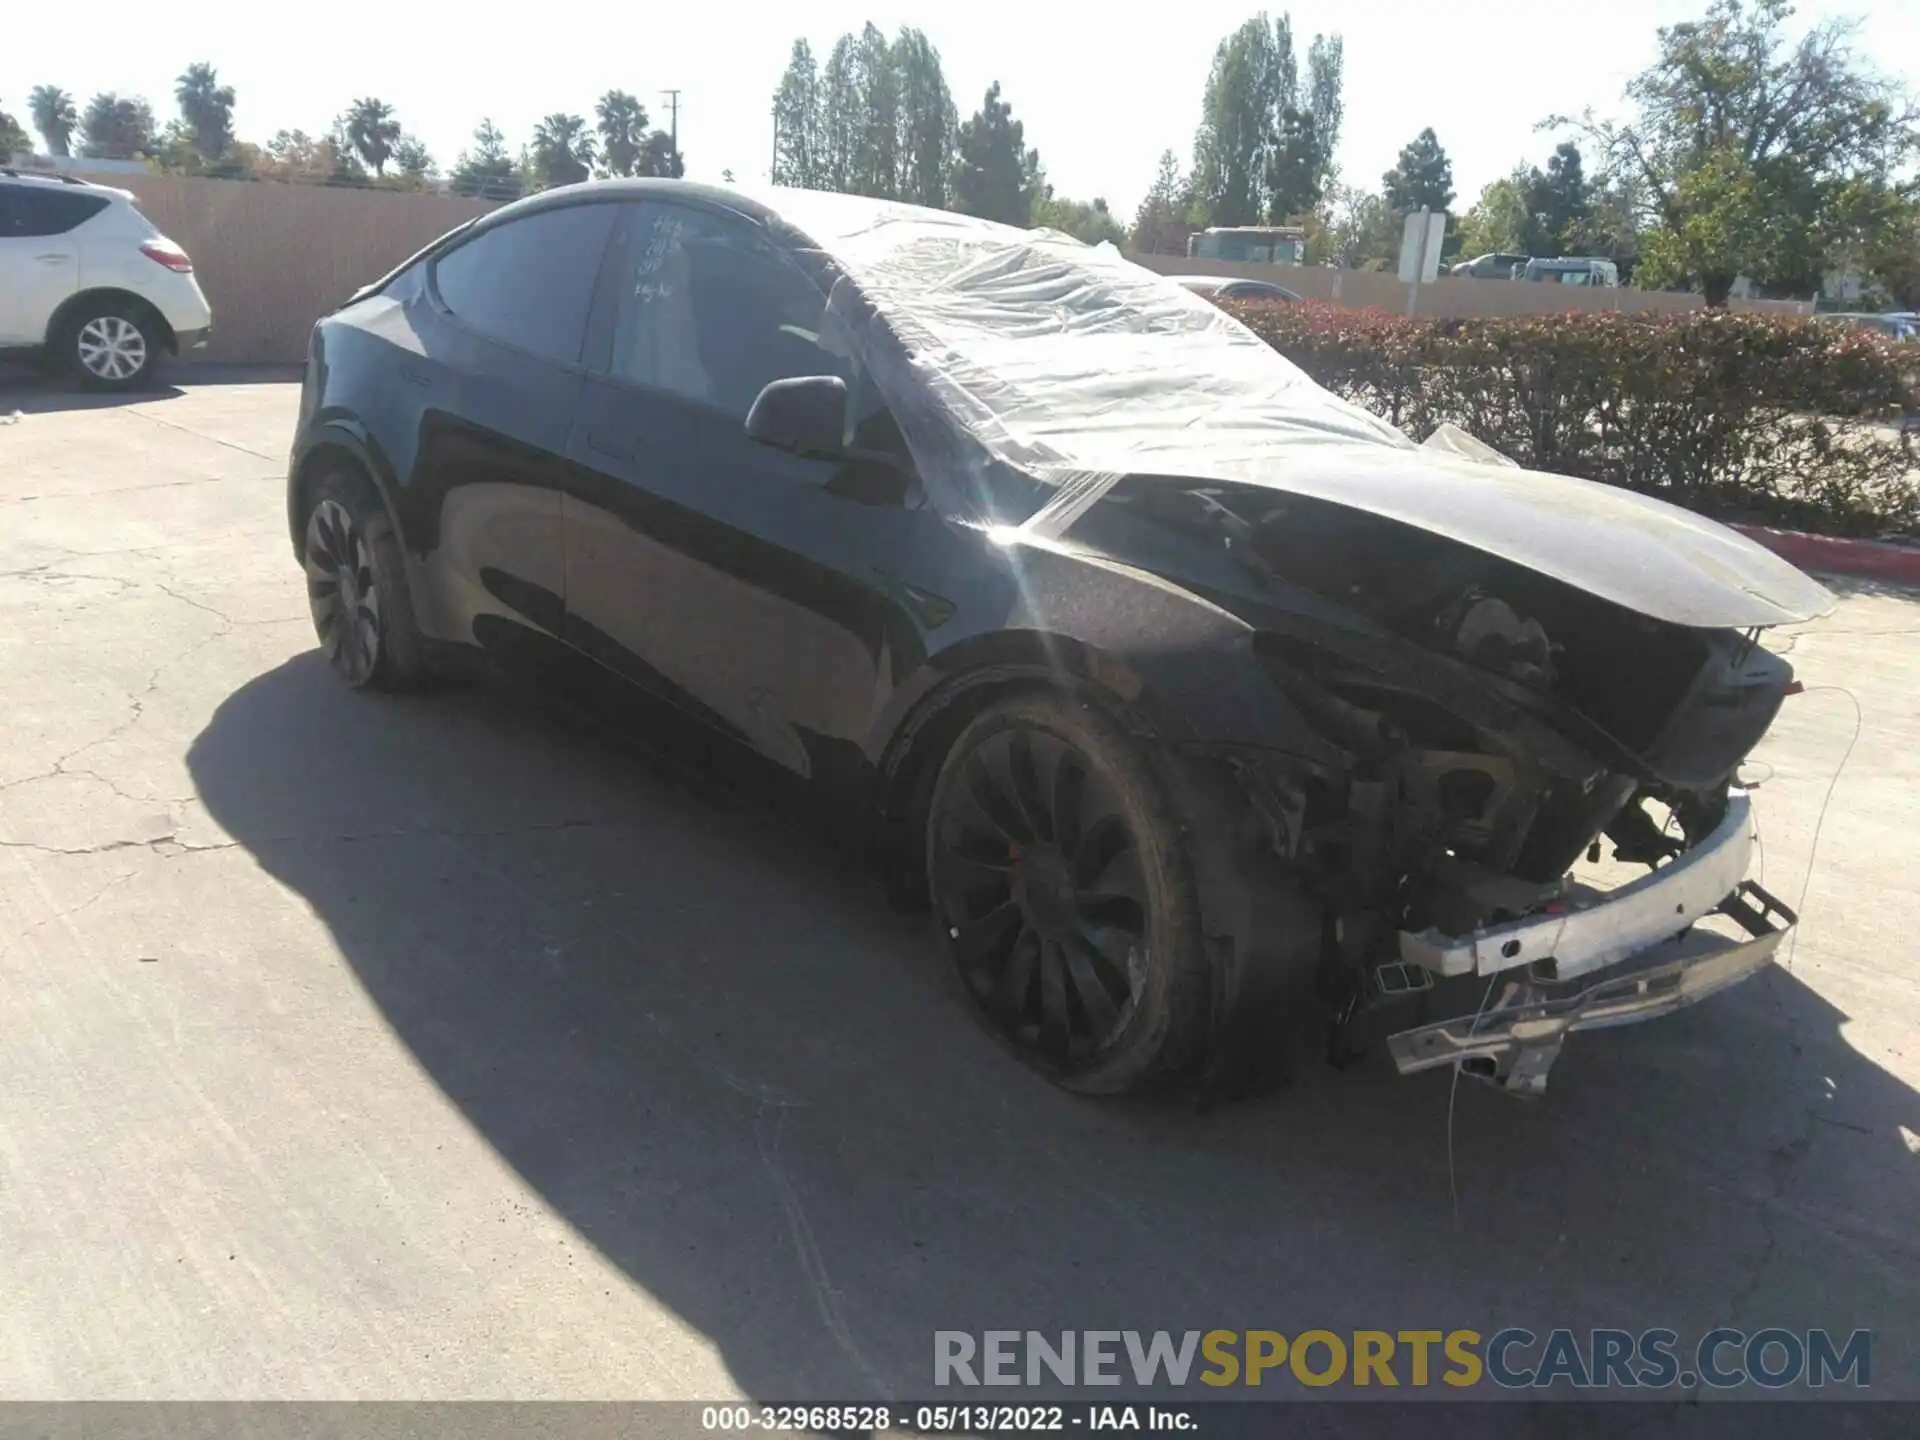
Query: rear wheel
<point>1065,895</point>
<point>357,585</point>
<point>110,344</point>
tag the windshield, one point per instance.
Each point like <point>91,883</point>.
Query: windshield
<point>1069,359</point>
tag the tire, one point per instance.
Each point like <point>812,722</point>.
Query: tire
<point>110,344</point>
<point>1065,897</point>
<point>357,585</point>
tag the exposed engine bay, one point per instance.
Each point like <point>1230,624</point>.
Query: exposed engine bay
<point>1487,729</point>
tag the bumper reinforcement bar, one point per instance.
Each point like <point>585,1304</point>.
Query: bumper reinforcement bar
<point>1514,1041</point>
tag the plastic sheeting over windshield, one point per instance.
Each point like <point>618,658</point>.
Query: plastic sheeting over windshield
<point>1065,359</point>
<point>1079,368</point>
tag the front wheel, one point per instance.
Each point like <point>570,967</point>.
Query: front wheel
<point>1065,895</point>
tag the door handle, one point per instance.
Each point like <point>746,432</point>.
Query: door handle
<point>51,259</point>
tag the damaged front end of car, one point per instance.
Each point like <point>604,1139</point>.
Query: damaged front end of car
<point>1488,729</point>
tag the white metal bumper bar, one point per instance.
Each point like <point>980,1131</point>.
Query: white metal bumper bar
<point>1596,929</point>
<point>1515,1041</point>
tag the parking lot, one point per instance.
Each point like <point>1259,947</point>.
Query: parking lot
<point>362,1047</point>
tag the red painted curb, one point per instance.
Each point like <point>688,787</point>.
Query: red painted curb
<point>1873,559</point>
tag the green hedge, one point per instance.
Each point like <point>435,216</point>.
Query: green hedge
<point>1741,416</point>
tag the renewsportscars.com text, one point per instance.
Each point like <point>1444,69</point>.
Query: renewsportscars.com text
<point>1512,1359</point>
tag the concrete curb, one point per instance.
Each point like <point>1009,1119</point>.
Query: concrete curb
<point>1833,555</point>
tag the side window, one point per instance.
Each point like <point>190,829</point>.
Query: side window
<point>710,310</point>
<point>31,210</point>
<point>530,282</point>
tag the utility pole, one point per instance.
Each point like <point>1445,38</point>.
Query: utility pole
<point>673,110</point>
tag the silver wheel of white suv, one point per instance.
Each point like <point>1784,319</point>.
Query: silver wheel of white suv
<point>110,346</point>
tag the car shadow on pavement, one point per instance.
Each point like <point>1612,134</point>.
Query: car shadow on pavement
<point>711,1046</point>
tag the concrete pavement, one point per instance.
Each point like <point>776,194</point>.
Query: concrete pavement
<point>359,1047</point>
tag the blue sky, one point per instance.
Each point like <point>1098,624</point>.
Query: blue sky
<point>1103,90</point>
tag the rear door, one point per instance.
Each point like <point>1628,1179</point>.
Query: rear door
<point>747,586</point>
<point>491,366</point>
<point>39,255</point>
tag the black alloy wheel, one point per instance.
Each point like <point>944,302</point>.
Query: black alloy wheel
<point>1065,906</point>
<point>343,593</point>
<point>357,585</point>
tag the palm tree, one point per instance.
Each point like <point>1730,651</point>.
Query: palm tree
<point>54,117</point>
<point>623,131</point>
<point>374,132</point>
<point>562,149</point>
<point>207,107</point>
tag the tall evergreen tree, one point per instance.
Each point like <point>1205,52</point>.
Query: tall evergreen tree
<point>797,141</point>
<point>997,177</point>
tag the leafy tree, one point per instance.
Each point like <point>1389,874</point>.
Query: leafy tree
<point>658,157</point>
<point>1421,176</point>
<point>1561,203</point>
<point>206,107</point>
<point>116,128</point>
<point>372,132</point>
<point>1326,101</point>
<point>840,101</point>
<point>1890,252</point>
<point>798,122</point>
<point>623,131</point>
<point>996,176</point>
<point>878,120</point>
<point>1362,230</point>
<point>1089,221</point>
<point>1166,216</point>
<point>12,137</point>
<point>1265,146</point>
<point>1745,145</point>
<point>928,122</point>
<point>876,145</point>
<point>414,161</point>
<point>1501,220</point>
<point>487,170</point>
<point>54,117</point>
<point>562,150</point>
<point>1232,153</point>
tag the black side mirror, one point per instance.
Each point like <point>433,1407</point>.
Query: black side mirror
<point>807,415</point>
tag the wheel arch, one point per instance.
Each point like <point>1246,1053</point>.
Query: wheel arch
<point>334,443</point>
<point>74,304</point>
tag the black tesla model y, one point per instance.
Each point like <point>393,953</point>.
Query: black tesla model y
<point>1198,700</point>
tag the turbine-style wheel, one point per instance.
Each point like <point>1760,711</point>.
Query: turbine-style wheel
<point>357,585</point>
<point>343,594</point>
<point>1065,900</point>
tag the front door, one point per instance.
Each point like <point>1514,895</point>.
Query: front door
<point>747,586</point>
<point>39,255</point>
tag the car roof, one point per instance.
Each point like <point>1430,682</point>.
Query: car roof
<point>635,189</point>
<point>61,181</point>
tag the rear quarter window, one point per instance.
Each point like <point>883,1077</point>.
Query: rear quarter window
<point>31,210</point>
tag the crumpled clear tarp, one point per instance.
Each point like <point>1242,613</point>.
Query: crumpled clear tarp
<point>1079,368</point>
<point>1065,359</point>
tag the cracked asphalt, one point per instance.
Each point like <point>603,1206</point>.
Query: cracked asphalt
<point>442,1047</point>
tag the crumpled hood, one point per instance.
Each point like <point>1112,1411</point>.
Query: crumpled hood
<point>1640,553</point>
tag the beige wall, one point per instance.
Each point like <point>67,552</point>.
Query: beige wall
<point>1447,297</point>
<point>274,258</point>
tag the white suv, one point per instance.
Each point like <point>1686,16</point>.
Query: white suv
<point>86,280</point>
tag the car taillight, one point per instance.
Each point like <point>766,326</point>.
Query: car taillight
<point>165,252</point>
